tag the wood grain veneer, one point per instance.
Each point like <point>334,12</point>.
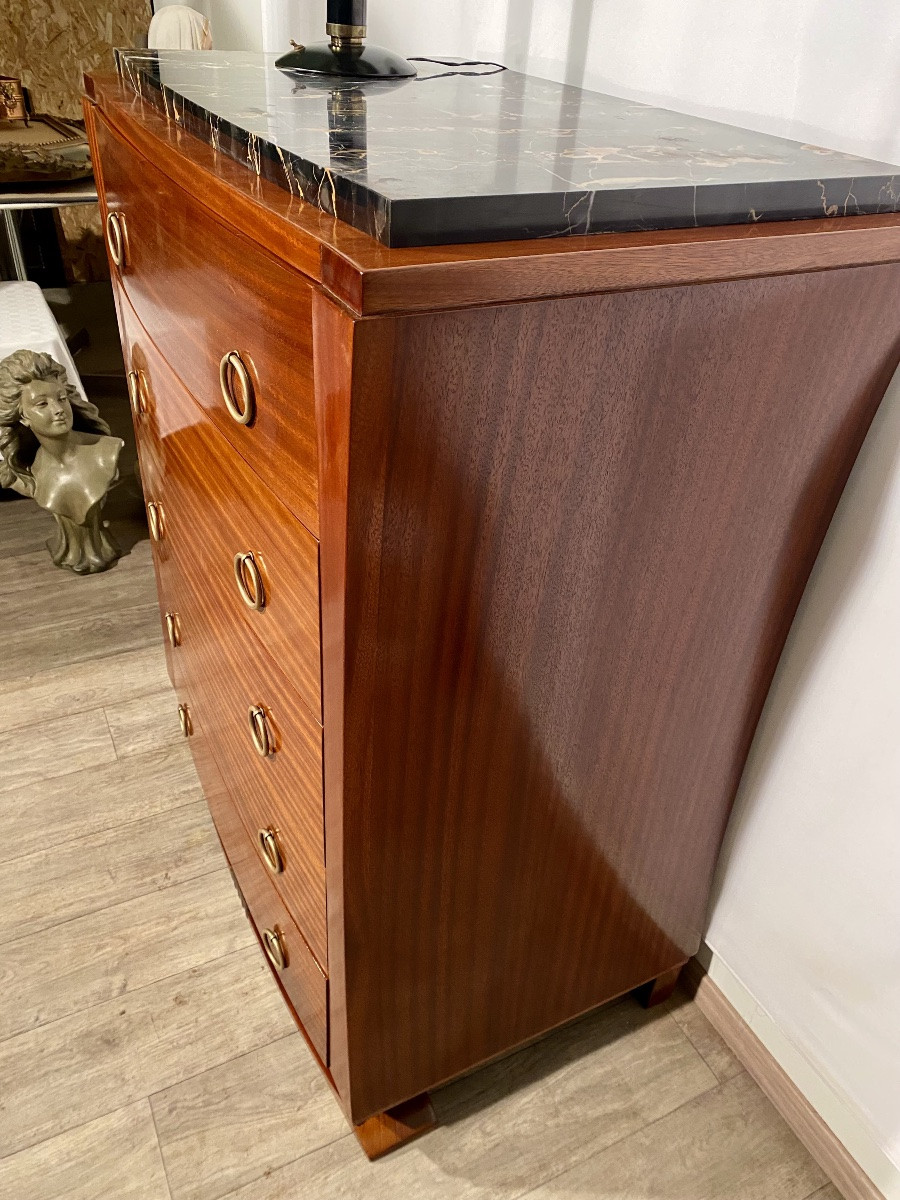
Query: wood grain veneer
<point>202,290</point>
<point>302,980</point>
<point>568,495</point>
<point>283,791</point>
<point>172,601</point>
<point>216,507</point>
<point>562,544</point>
<point>220,662</point>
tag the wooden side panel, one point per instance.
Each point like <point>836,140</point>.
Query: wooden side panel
<point>576,534</point>
<point>202,290</point>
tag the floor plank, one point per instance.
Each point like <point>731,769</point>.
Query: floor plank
<point>88,874</point>
<point>96,799</point>
<point>713,1050</point>
<point>506,1128</point>
<point>567,1095</point>
<point>728,1144</point>
<point>113,1158</point>
<point>244,1119</point>
<point>74,966</point>
<point>30,649</point>
<point>76,687</point>
<point>143,724</point>
<point>51,749</point>
<point>90,1064</point>
<point>54,594</point>
<point>23,526</point>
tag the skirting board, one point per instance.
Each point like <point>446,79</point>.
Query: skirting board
<point>831,1155</point>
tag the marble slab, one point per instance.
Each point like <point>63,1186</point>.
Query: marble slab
<point>461,157</point>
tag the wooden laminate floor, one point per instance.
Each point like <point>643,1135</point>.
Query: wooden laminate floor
<point>145,1051</point>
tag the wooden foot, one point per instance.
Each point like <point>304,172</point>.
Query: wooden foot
<point>659,989</point>
<point>388,1130</point>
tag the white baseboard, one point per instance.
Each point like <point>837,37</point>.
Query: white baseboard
<point>823,1120</point>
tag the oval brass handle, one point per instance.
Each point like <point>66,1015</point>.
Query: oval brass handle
<point>237,388</point>
<point>271,851</point>
<point>274,948</point>
<point>156,520</point>
<point>259,731</point>
<point>117,238</point>
<point>137,393</point>
<point>250,581</point>
<point>184,720</point>
<point>173,629</point>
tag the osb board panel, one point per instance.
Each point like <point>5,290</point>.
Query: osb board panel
<point>49,44</point>
<point>81,238</point>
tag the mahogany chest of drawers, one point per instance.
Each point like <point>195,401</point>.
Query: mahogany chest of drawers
<point>474,567</point>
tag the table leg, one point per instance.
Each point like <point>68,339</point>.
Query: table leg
<point>17,258</point>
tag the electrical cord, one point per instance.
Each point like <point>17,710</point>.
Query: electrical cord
<point>441,62</point>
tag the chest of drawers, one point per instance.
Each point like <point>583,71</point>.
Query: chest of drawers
<point>474,568</point>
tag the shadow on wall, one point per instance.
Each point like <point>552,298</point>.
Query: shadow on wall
<point>788,70</point>
<point>839,570</point>
<point>517,42</point>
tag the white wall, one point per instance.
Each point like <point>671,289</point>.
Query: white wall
<point>821,70</point>
<point>806,916</point>
<point>806,924</point>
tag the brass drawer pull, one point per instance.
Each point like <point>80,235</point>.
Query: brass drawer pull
<point>117,239</point>
<point>173,629</point>
<point>274,948</point>
<point>250,582</point>
<point>184,720</point>
<point>259,731</point>
<point>237,388</point>
<point>137,394</point>
<point>156,520</point>
<point>271,851</point>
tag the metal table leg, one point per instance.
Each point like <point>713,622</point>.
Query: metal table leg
<point>11,230</point>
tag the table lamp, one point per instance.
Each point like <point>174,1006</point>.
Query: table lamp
<point>346,53</point>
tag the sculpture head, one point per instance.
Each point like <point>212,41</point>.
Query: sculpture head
<point>37,403</point>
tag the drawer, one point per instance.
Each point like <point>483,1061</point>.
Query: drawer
<point>279,794</point>
<point>171,608</point>
<point>280,791</point>
<point>301,979</point>
<point>213,508</point>
<point>169,619</point>
<point>168,584</point>
<point>204,292</point>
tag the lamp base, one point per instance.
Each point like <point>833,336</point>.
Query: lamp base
<point>357,62</point>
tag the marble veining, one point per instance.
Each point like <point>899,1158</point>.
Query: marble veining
<point>449,157</point>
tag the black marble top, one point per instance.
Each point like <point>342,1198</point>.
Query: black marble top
<point>450,157</point>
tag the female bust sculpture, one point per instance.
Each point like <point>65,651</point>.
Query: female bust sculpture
<point>55,447</point>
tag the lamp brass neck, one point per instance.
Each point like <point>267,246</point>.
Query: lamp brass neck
<point>345,37</point>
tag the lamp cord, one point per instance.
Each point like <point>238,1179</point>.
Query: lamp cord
<point>441,62</point>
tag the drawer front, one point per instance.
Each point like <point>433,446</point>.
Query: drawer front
<point>279,793</point>
<point>169,606</point>
<point>214,509</point>
<point>303,982</point>
<point>205,292</point>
